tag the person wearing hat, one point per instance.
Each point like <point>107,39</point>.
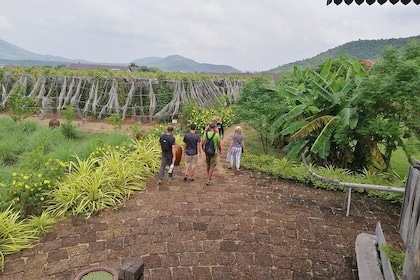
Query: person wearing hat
<point>236,147</point>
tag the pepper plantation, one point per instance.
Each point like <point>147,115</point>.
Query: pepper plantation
<point>358,123</point>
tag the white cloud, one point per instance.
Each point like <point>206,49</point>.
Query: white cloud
<point>248,35</point>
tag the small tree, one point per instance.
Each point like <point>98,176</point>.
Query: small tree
<point>68,129</point>
<point>22,106</point>
<point>116,121</point>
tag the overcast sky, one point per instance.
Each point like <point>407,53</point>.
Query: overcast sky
<point>250,35</point>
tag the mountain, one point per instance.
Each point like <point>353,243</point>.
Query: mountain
<point>361,49</point>
<point>181,64</point>
<point>12,52</point>
<point>14,55</point>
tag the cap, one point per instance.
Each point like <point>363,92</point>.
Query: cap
<point>238,127</point>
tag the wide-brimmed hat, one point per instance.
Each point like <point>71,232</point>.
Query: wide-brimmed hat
<point>238,128</point>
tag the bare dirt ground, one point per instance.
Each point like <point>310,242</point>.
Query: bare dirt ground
<point>93,125</point>
<point>247,225</point>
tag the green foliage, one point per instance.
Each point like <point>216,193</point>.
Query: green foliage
<point>70,131</point>
<point>388,99</point>
<point>256,105</point>
<point>360,49</point>
<point>42,223</point>
<point>396,258</point>
<point>276,165</point>
<point>201,117</point>
<point>21,105</point>
<point>116,121</point>
<point>69,114</point>
<point>98,275</point>
<point>137,131</point>
<point>104,179</point>
<point>347,117</point>
<point>28,189</point>
<point>15,234</point>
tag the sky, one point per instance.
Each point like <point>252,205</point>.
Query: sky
<point>249,35</point>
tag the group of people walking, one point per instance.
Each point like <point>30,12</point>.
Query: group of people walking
<point>193,148</point>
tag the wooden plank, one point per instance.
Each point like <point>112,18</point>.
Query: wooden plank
<point>411,270</point>
<point>402,222</point>
<point>407,207</point>
<point>367,257</point>
<point>388,273</point>
<point>414,218</point>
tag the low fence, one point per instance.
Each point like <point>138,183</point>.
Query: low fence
<point>410,224</point>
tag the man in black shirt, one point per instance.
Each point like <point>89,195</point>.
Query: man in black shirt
<point>192,150</point>
<point>167,144</point>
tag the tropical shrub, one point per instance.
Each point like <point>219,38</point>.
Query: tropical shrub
<point>21,105</point>
<point>201,117</point>
<point>15,235</point>
<point>29,188</point>
<point>104,179</point>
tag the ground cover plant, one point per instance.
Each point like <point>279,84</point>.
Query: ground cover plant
<point>42,168</point>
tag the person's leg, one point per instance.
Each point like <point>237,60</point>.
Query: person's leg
<point>213,162</point>
<point>162,169</point>
<point>238,160</point>
<point>193,164</point>
<point>231,157</point>
<point>187,167</point>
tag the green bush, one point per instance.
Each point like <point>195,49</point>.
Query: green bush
<point>15,234</point>
<point>70,131</point>
<point>105,178</point>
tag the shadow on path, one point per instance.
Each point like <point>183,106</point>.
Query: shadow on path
<point>247,225</point>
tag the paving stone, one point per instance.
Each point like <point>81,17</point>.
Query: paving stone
<point>247,225</point>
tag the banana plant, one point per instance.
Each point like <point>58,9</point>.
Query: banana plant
<point>320,106</point>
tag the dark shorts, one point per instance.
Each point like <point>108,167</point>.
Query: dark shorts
<point>211,160</point>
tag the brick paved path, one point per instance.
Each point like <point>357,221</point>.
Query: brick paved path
<point>245,226</point>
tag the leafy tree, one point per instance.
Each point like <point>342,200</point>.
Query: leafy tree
<point>347,117</point>
<point>255,106</point>
<point>320,111</point>
<point>388,104</point>
<point>21,105</point>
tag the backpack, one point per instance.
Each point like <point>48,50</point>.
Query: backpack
<point>209,148</point>
<point>165,145</point>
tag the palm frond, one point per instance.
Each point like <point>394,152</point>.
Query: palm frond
<point>322,143</point>
<point>310,127</point>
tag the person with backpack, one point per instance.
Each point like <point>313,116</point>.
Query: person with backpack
<point>167,144</point>
<point>211,146</point>
<point>192,144</point>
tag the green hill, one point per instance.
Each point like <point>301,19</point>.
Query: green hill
<point>179,63</point>
<point>361,49</point>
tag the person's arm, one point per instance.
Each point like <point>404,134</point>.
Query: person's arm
<point>185,147</point>
<point>173,152</point>
<point>230,145</point>
<point>199,148</point>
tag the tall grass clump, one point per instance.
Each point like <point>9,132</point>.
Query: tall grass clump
<point>15,234</point>
<point>109,175</point>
